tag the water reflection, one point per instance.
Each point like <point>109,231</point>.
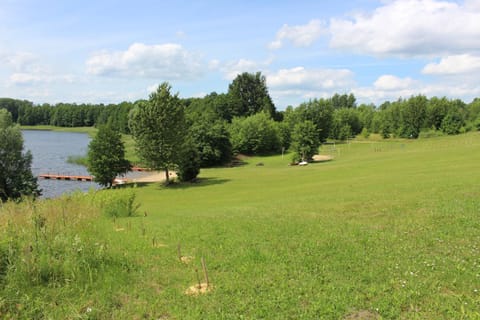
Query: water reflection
<point>50,150</point>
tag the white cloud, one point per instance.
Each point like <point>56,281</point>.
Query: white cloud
<point>388,87</point>
<point>152,88</point>
<point>295,85</point>
<point>233,68</point>
<point>411,28</point>
<point>25,78</point>
<point>21,61</point>
<point>316,79</point>
<point>390,82</point>
<point>454,65</point>
<point>472,4</point>
<point>27,69</point>
<point>166,61</point>
<point>214,64</point>
<point>299,36</point>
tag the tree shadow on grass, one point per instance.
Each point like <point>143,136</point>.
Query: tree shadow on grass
<point>199,182</point>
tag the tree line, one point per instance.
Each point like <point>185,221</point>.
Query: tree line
<point>186,134</point>
<point>337,117</point>
<point>68,114</point>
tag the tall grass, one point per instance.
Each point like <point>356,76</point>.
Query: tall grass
<point>78,160</point>
<point>56,259</point>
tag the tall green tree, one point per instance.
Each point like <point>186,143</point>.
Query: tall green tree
<point>158,128</point>
<point>211,138</point>
<point>474,109</point>
<point>16,178</point>
<point>452,123</point>
<point>345,123</point>
<point>437,109</point>
<point>412,114</point>
<point>320,112</point>
<point>106,156</point>
<point>305,141</point>
<point>249,95</point>
<point>343,101</point>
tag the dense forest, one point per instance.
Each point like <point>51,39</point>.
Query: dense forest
<point>245,119</point>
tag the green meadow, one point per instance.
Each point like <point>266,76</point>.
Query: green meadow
<point>388,229</point>
<point>90,130</point>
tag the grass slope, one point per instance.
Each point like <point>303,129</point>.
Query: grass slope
<point>387,229</point>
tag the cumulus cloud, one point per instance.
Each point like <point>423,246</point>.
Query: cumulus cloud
<point>300,36</point>
<point>290,86</point>
<point>390,82</point>
<point>454,65</point>
<point>25,78</point>
<point>21,61</point>
<point>167,61</point>
<point>233,68</point>
<point>318,79</point>
<point>411,28</point>
<point>27,69</point>
<point>388,87</point>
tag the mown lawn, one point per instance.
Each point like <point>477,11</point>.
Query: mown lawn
<point>388,229</point>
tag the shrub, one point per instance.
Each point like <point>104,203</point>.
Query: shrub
<point>257,134</point>
<point>189,162</point>
<point>452,123</point>
<point>477,124</point>
<point>431,133</point>
<point>119,203</point>
<point>365,133</point>
<point>305,141</point>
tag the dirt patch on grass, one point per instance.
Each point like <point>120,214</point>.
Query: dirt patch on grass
<point>198,289</point>
<point>186,259</point>
<point>154,177</point>
<point>362,315</point>
<point>322,157</point>
<point>242,157</point>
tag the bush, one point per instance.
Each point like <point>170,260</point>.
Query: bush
<point>477,124</point>
<point>305,141</point>
<point>431,133</point>
<point>452,123</point>
<point>365,133</point>
<point>119,203</point>
<point>189,163</point>
<point>257,134</point>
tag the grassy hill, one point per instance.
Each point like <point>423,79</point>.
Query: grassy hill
<point>388,229</point>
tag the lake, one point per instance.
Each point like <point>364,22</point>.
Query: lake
<point>50,150</point>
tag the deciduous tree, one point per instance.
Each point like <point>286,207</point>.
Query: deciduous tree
<point>256,134</point>
<point>106,156</point>
<point>305,141</point>
<point>158,127</point>
<point>16,178</point>
<point>249,95</point>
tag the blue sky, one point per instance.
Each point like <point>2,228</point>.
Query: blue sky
<point>111,51</point>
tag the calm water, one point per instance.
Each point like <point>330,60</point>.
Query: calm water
<point>50,150</point>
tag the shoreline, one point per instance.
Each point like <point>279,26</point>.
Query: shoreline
<point>153,176</point>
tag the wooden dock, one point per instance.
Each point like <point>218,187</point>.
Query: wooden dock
<point>49,176</point>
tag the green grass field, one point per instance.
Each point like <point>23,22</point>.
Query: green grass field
<point>386,230</point>
<point>90,130</point>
